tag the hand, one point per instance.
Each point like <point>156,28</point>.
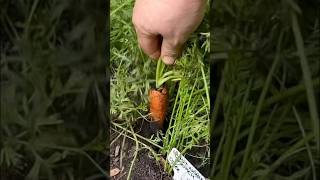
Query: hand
<point>163,26</point>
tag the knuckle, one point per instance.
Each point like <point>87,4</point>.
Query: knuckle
<point>134,19</point>
<point>169,52</point>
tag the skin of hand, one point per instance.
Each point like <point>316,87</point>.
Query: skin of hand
<point>163,26</point>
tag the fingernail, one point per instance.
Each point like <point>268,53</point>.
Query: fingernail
<point>168,60</point>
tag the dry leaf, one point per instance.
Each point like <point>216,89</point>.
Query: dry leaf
<point>114,172</point>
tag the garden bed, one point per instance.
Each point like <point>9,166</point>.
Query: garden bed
<point>145,168</point>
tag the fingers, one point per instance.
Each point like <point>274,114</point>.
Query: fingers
<point>170,51</point>
<point>151,44</point>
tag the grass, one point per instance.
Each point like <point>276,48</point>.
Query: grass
<point>307,79</point>
<point>52,90</point>
<point>189,104</point>
<point>265,120</point>
<point>265,117</point>
<point>189,120</point>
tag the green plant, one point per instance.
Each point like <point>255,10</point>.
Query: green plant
<point>189,120</point>
<point>263,129</point>
<point>129,92</point>
<point>132,73</point>
<point>52,90</point>
<point>162,77</point>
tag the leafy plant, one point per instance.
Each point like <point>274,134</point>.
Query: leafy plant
<point>52,90</point>
<point>266,86</point>
<point>131,72</point>
<point>189,120</point>
<point>162,77</point>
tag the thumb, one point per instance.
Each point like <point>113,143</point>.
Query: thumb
<point>170,51</point>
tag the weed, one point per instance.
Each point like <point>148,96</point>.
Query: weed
<point>267,95</point>
<point>52,90</point>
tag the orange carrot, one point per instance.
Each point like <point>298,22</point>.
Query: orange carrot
<point>158,105</point>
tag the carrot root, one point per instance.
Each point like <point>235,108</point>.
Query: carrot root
<point>158,99</point>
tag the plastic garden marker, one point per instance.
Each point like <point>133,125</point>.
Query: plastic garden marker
<point>182,168</point>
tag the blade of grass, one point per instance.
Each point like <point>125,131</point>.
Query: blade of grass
<point>217,103</point>
<point>28,22</point>
<point>306,143</point>
<point>120,7</point>
<point>296,148</point>
<point>226,162</point>
<point>205,85</point>
<point>307,79</point>
<point>289,93</point>
<point>214,117</point>
<point>259,108</point>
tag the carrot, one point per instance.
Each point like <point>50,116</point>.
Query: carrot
<point>158,105</point>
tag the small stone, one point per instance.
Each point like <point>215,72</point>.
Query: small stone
<point>116,152</point>
<point>114,172</point>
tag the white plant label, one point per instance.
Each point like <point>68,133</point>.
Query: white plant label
<point>182,168</point>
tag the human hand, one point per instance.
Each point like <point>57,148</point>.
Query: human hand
<point>163,26</point>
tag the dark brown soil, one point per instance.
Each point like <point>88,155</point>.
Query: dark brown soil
<point>145,167</point>
<point>193,157</point>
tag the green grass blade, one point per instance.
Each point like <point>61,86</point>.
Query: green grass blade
<point>229,156</point>
<point>290,92</point>
<point>306,143</point>
<point>259,108</point>
<point>307,79</point>
<point>205,85</point>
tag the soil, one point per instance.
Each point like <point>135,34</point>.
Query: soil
<point>145,167</point>
<point>204,169</point>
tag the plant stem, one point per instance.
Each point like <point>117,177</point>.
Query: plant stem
<point>159,72</point>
